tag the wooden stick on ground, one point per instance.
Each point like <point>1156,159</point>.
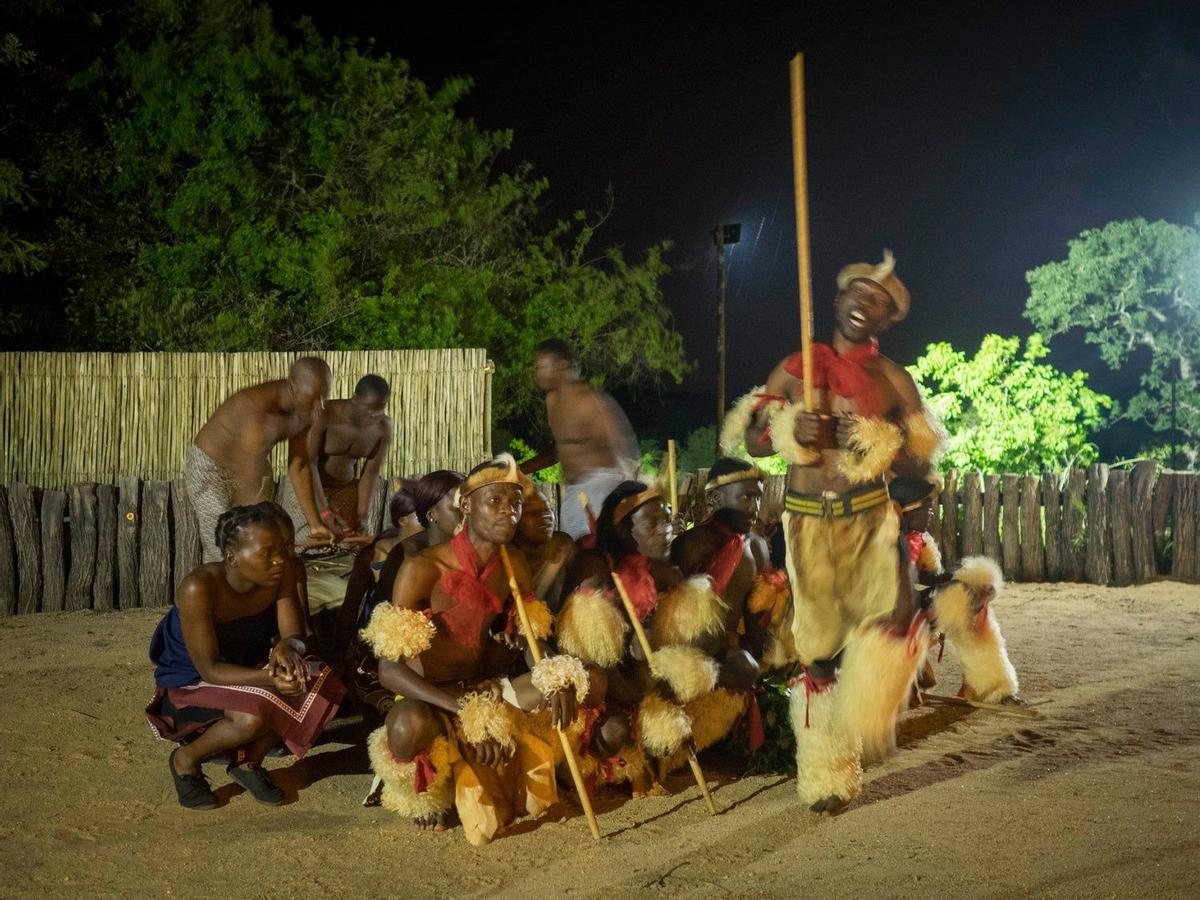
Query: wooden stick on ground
<point>803,260</point>
<point>572,763</point>
<point>649,654</point>
<point>944,700</point>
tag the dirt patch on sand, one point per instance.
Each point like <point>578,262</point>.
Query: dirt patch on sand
<point>1099,796</point>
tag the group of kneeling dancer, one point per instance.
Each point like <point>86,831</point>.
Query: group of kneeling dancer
<point>432,647</point>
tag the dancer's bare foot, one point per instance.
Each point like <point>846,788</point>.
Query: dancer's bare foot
<point>831,805</point>
<point>438,821</point>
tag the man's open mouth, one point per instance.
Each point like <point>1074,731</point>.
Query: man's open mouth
<point>857,319</point>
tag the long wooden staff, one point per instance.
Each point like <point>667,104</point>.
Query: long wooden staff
<point>649,654</point>
<point>671,476</point>
<point>803,261</point>
<point>572,763</point>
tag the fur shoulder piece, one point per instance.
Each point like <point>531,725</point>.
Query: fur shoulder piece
<point>485,717</point>
<point>690,672</point>
<point>872,445</point>
<point>593,628</point>
<point>394,633</point>
<point>688,611</point>
<point>557,673</point>
<point>783,436</point>
<point>663,727</point>
<point>924,434</point>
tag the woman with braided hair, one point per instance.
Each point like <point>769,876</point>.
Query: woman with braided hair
<point>230,664</point>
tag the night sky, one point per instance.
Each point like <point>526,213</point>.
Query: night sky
<point>974,139</point>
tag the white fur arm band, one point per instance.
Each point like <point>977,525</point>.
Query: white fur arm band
<point>870,449</point>
<point>924,435</point>
<point>557,673</point>
<point>484,717</point>
<point>395,633</point>
<point>783,436</point>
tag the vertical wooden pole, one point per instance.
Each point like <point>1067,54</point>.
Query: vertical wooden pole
<point>103,591</point>
<point>719,236</point>
<point>1098,560</point>
<point>8,560</point>
<point>22,508</point>
<point>83,546</point>
<point>800,184</point>
<point>54,507</point>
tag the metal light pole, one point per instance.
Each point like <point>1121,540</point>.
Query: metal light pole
<point>722,235</point>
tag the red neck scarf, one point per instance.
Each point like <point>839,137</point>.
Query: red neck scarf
<point>843,374</point>
<point>729,555</point>
<point>915,541</point>
<point>634,571</point>
<point>474,601</point>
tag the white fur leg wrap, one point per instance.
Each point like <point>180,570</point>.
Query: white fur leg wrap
<point>689,611</point>
<point>399,778</point>
<point>690,672</point>
<point>395,633</point>
<point>870,449</point>
<point>737,420</point>
<point>924,435</point>
<point>663,727</point>
<point>827,758</point>
<point>783,436</point>
<point>931,555</point>
<point>964,611</point>
<point>485,717</point>
<point>877,672</point>
<point>557,673</point>
<point>592,627</point>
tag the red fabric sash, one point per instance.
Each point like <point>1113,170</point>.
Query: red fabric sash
<point>725,561</point>
<point>812,685</point>
<point>915,541</point>
<point>634,570</point>
<point>425,773</point>
<point>843,374</point>
<point>474,601</point>
<point>756,735</point>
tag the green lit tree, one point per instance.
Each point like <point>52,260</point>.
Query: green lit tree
<point>1133,289</point>
<point>1005,410</point>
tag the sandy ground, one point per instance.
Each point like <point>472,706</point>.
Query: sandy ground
<point>1099,796</point>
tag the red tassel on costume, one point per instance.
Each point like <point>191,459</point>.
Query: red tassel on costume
<point>725,561</point>
<point>916,543</point>
<point>473,599</point>
<point>812,685</point>
<point>756,735</point>
<point>425,774</point>
<point>634,570</point>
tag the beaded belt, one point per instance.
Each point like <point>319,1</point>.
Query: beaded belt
<point>831,506</point>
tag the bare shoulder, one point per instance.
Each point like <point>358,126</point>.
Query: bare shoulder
<point>783,382</point>
<point>415,581</point>
<point>562,546</point>
<point>899,378</point>
<point>589,569</point>
<point>199,588</point>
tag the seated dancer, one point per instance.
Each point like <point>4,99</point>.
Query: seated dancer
<point>675,703</point>
<point>458,734</point>
<point>221,686</point>
<point>960,604</point>
<point>433,499</point>
<point>548,552</point>
<point>228,463</point>
<point>854,625</point>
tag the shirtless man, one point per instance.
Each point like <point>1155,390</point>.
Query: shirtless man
<point>547,552</point>
<point>228,463</point>
<point>592,436</point>
<point>851,615</point>
<point>349,430</point>
<point>447,655</point>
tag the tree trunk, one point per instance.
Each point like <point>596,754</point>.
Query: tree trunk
<point>1098,562</point>
<point>1142,488</point>
<point>83,546</point>
<point>54,508</point>
<point>1120,512</point>
<point>949,542</point>
<point>1052,503</point>
<point>1033,555</point>
<point>187,532</point>
<point>129,528</point>
<point>154,569</point>
<point>27,540</point>
<point>8,560</point>
<point>1074,537</point>
<point>972,535</point>
<point>106,546</point>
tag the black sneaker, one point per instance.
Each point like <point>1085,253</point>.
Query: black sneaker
<point>254,778</point>
<point>193,790</point>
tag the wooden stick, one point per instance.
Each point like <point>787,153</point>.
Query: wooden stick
<point>803,261</point>
<point>671,476</point>
<point>992,707</point>
<point>572,762</point>
<point>697,772</point>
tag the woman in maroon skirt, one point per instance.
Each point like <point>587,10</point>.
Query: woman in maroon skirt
<point>230,664</point>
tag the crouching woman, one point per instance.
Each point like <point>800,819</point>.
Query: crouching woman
<point>230,666</point>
